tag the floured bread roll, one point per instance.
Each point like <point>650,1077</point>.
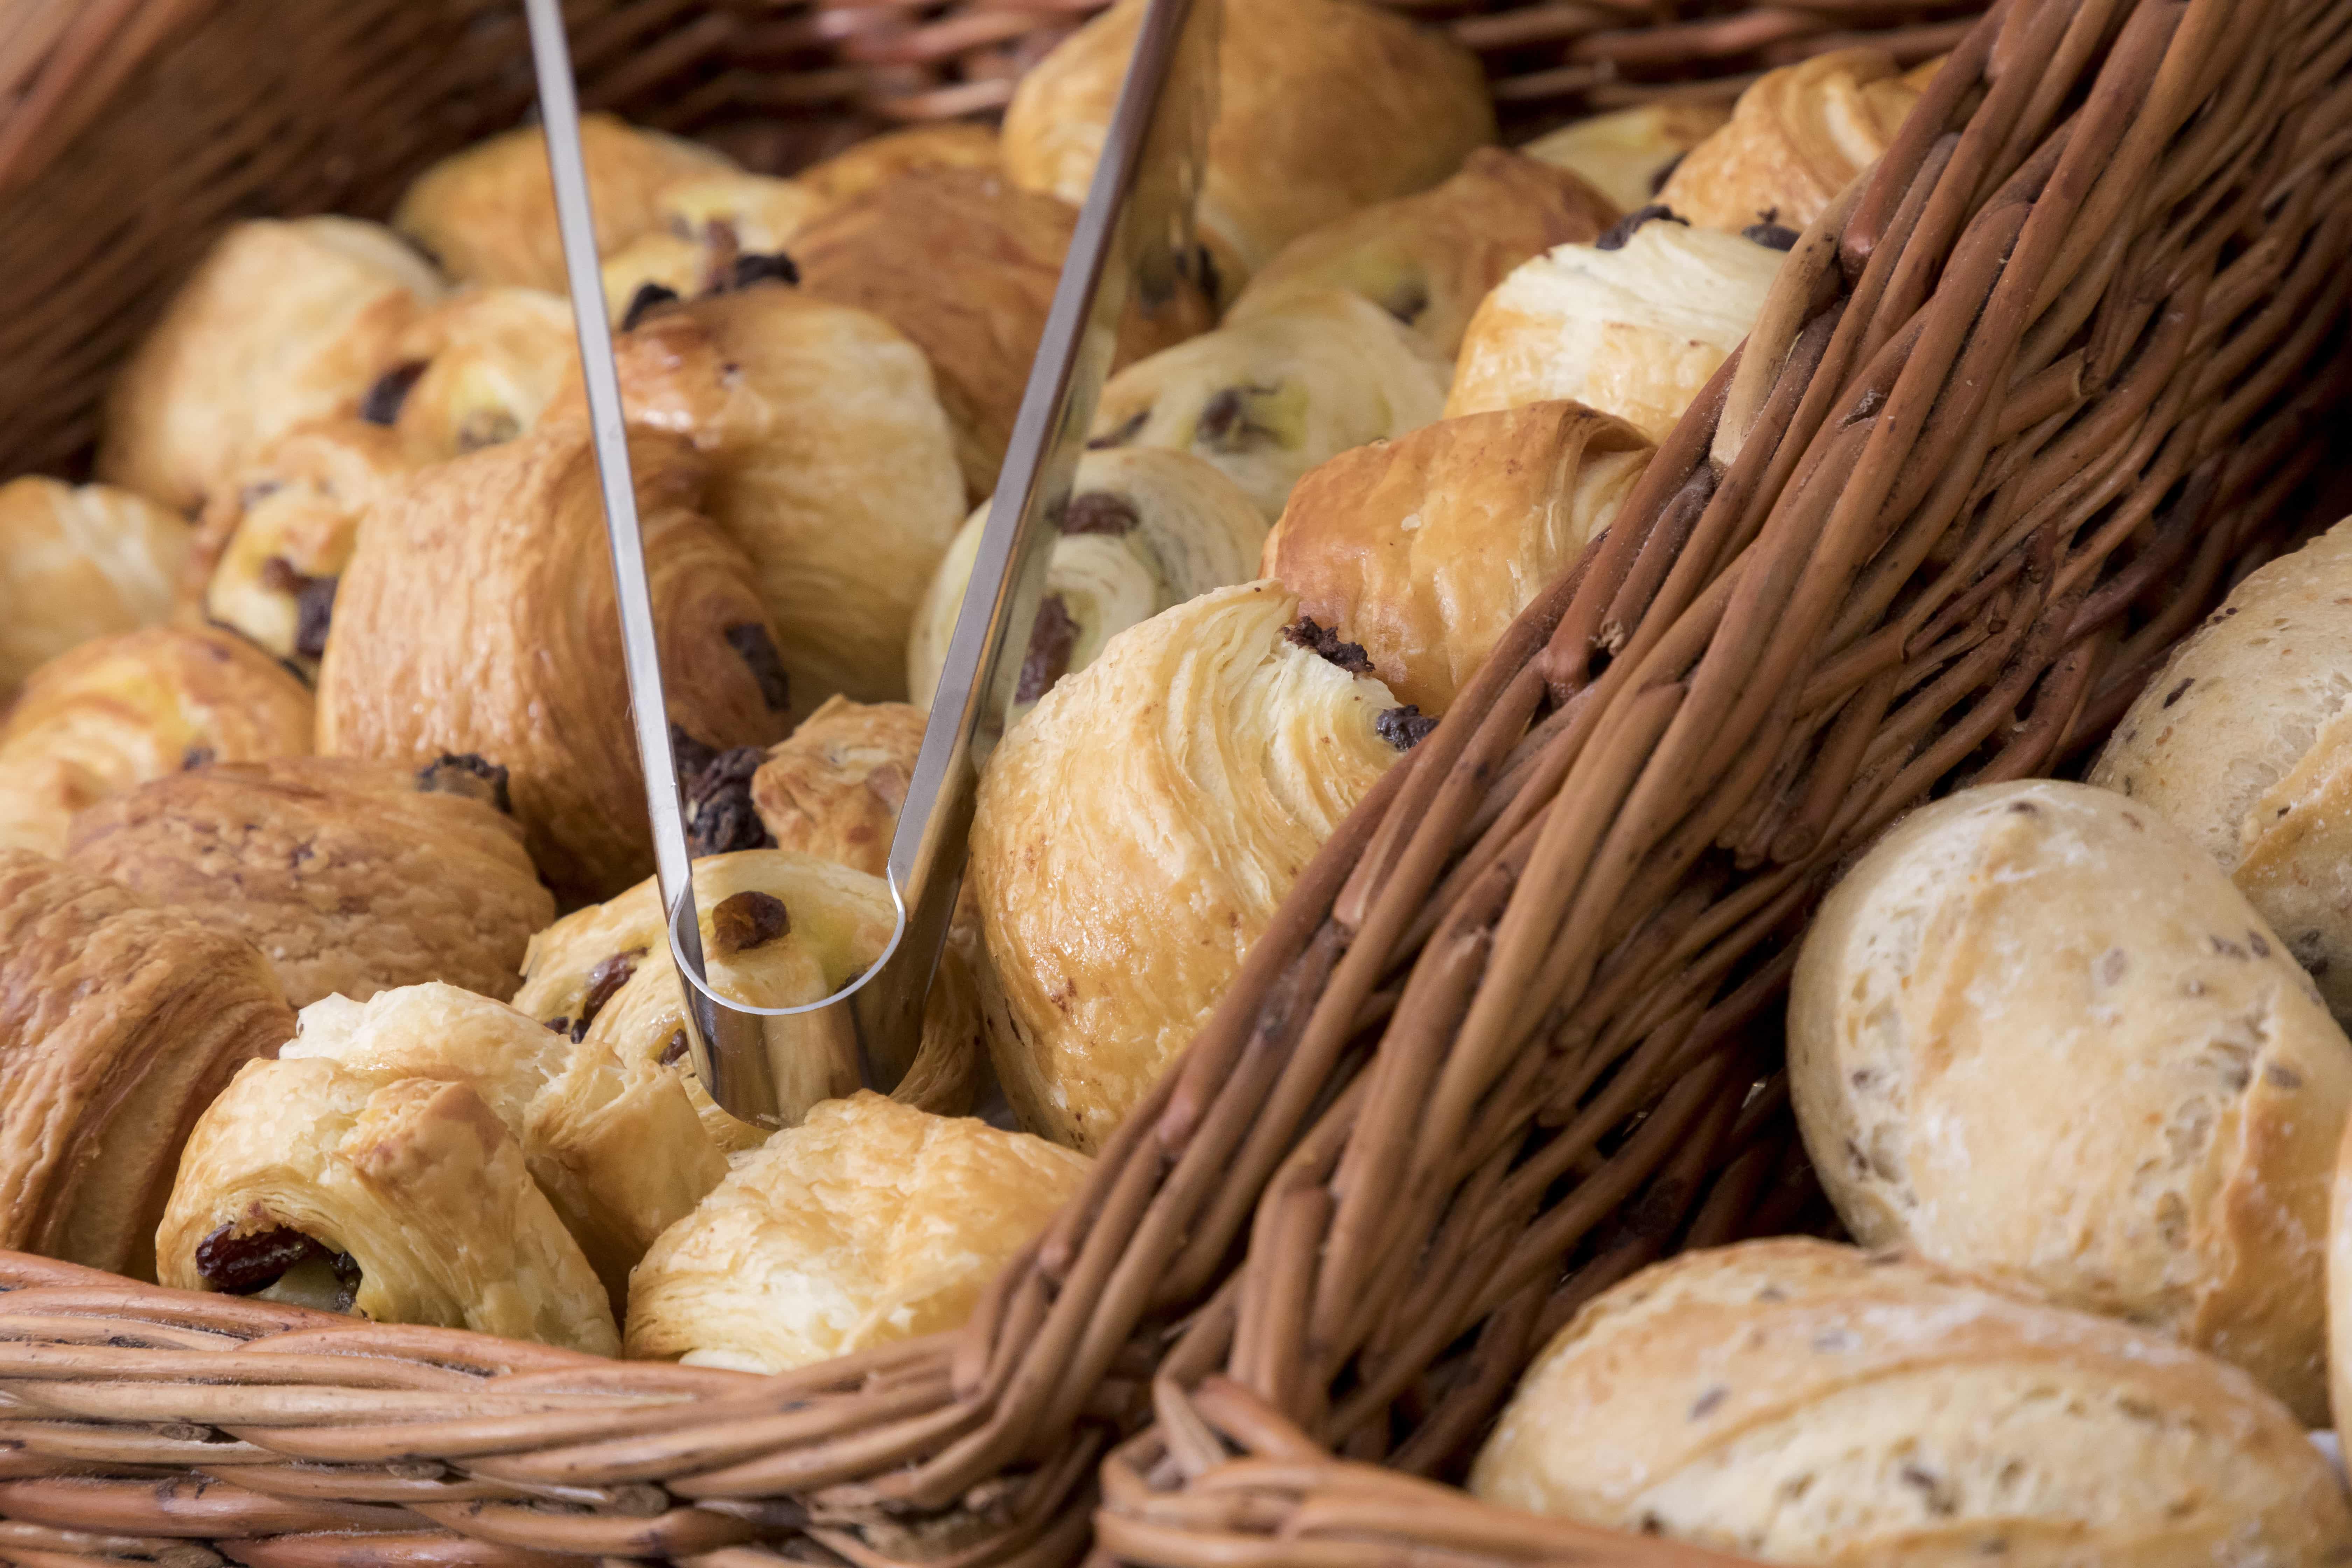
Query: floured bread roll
<point>1628,155</point>
<point>870,1222</point>
<point>78,562</point>
<point>1424,549</point>
<point>477,370</point>
<point>1135,833</point>
<point>1428,259</point>
<point>1797,138</point>
<point>1265,399</point>
<point>283,322</point>
<point>2171,1159</point>
<point>2245,744</point>
<point>965,263</point>
<point>350,876</point>
<point>832,466</point>
<point>120,1021</point>
<point>1797,1402</point>
<point>488,213</point>
<point>1323,106</point>
<point>476,619</point>
<point>1146,529</point>
<point>717,230</point>
<point>833,788</point>
<point>403,1201</point>
<point>858,169</point>
<point>1635,331</point>
<point>116,712</point>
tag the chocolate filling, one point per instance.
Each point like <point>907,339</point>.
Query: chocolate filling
<point>674,1052</point>
<point>463,773</point>
<point>690,755</point>
<point>755,268</point>
<point>241,1265</point>
<point>1408,302</point>
<point>1618,233</point>
<point>1050,639</point>
<point>1405,727</point>
<point>314,603</point>
<point>648,297</point>
<point>720,814</point>
<point>196,757</point>
<point>1205,273</point>
<point>1120,437</point>
<point>1099,512</point>
<point>1325,644</point>
<point>1225,423</point>
<point>604,983</point>
<point>748,921</point>
<point>1769,232</point>
<point>383,401</point>
<point>758,649</point>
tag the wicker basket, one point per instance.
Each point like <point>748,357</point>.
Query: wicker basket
<point>2021,405</point>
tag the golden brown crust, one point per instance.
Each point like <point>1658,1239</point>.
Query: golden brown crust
<point>476,617</point>
<point>1423,549</point>
<point>120,1021</point>
<point>1627,154</point>
<point>492,360</point>
<point>834,789</point>
<point>1797,138</point>
<point>956,145</point>
<point>78,563</point>
<point>350,876</point>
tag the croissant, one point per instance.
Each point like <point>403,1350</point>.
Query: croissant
<point>1798,136</point>
<point>404,1202</point>
<point>1428,259</point>
<point>870,1222</point>
<point>1136,832</point>
<point>78,563</point>
<point>1268,398</point>
<point>1633,326</point>
<point>833,788</point>
<point>283,322</point>
<point>1323,106</point>
<point>1628,155</point>
<point>1145,529</point>
<point>477,370</point>
<point>1423,549</point>
<point>118,711</point>
<point>858,169</point>
<point>476,619</point>
<point>118,1021</point>
<point>487,213</point>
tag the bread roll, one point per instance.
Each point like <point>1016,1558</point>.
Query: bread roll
<point>116,712</point>
<point>78,563</point>
<point>1145,529</point>
<point>1799,1402</point>
<point>2170,1161</point>
<point>476,619</point>
<point>1323,106</point>
<point>1135,833</point>
<point>1423,549</point>
<point>283,322</point>
<point>1633,330</point>
<point>487,213</point>
<point>1265,399</point>
<point>856,170</point>
<point>833,788</point>
<point>870,1222</point>
<point>2245,744</point>
<point>477,370</point>
<point>120,1021</point>
<point>1628,155</point>
<point>1798,136</point>
<point>1428,259</point>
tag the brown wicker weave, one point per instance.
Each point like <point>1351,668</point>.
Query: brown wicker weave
<point>2019,407</point>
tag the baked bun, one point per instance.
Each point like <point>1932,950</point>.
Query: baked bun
<point>1136,832</point>
<point>858,169</point>
<point>477,370</point>
<point>2245,744</point>
<point>78,563</point>
<point>1635,331</point>
<point>1428,259</point>
<point>283,322</point>
<point>1799,1402</point>
<point>1323,106</point>
<point>832,466</point>
<point>1146,529</point>
<point>404,1202</point>
<point>2171,1161</point>
<point>965,263</point>
<point>1628,155</point>
<point>487,213</point>
<point>350,876</point>
<point>1424,549</point>
<point>833,787</point>
<point>116,712</point>
<point>120,1021</point>
<point>476,619</point>
<point>1268,398</point>
<point>868,1224</point>
<point>1798,136</point>
<point>715,229</point>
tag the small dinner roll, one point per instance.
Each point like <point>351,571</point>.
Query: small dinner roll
<point>1627,154</point>
<point>1794,1401</point>
<point>1268,398</point>
<point>870,1222</point>
<point>2035,1033</point>
<point>1633,330</point>
<point>1424,549</point>
<point>1145,529</point>
<point>1136,832</point>
<point>78,562</point>
<point>834,786</point>
<point>1798,136</point>
<point>282,322</point>
<point>478,369</point>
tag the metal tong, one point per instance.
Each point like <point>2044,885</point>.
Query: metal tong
<point>1134,234</point>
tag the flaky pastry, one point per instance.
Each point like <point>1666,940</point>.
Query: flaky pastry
<point>858,169</point>
<point>78,562</point>
<point>716,229</point>
<point>477,370</point>
<point>834,786</point>
<point>1798,136</point>
<point>1627,154</point>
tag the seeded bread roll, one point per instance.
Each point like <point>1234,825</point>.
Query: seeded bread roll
<point>1626,155</point>
<point>120,1021</point>
<point>833,788</point>
<point>2171,1160</point>
<point>282,323</point>
<point>1423,549</point>
<point>477,370</point>
<point>1799,1402</point>
<point>78,563</point>
<point>1797,138</point>
<point>116,712</point>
